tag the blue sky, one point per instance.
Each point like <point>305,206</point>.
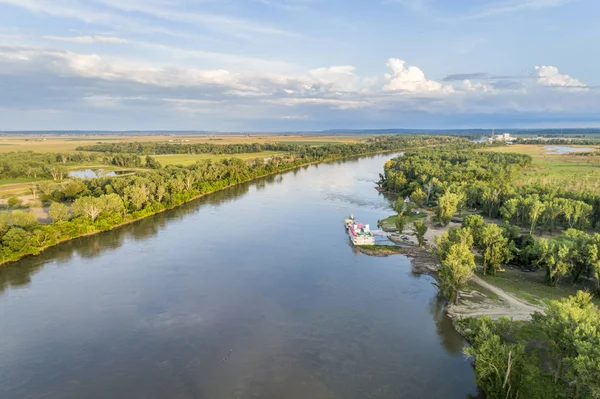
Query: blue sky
<point>269,65</point>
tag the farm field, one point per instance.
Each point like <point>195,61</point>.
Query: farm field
<point>573,172</point>
<point>188,159</point>
<point>70,143</point>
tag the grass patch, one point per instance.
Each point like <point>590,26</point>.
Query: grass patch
<point>389,223</point>
<point>19,180</point>
<point>532,287</point>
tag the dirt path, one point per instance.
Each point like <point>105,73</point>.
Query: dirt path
<point>491,300</point>
<point>506,305</point>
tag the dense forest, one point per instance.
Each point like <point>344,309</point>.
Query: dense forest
<point>370,145</point>
<point>80,207</point>
<point>509,355</point>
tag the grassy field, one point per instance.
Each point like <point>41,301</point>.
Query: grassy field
<point>389,224</point>
<point>70,143</point>
<point>532,287</point>
<point>574,172</point>
<point>186,159</point>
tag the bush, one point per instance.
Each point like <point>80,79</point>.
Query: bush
<point>14,202</point>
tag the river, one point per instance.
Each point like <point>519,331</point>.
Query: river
<point>251,292</point>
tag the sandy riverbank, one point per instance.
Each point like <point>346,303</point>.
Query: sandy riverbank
<point>481,299</point>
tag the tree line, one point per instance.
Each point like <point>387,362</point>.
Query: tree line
<point>161,148</point>
<point>87,206</point>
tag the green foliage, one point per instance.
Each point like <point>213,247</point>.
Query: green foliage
<point>14,202</point>
<point>27,164</point>
<point>401,223</point>
<point>499,365</point>
<point>105,202</point>
<point>73,189</point>
<point>152,163</point>
<point>419,230</point>
<point>496,250</point>
<point>476,224</point>
<point>573,328</point>
<point>23,218</point>
<point>418,197</point>
<point>447,207</point>
<point>58,212</point>
<point>373,144</point>
<point>457,262</point>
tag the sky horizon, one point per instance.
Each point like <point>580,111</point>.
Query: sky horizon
<point>298,65</point>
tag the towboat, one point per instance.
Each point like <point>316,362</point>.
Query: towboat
<point>360,234</point>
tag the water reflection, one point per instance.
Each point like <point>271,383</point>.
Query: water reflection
<point>250,292</point>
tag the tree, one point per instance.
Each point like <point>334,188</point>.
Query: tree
<point>152,163</point>
<point>23,218</point>
<point>58,212</point>
<point>401,223</point>
<point>112,204</point>
<point>34,190</point>
<point>419,230</point>
<point>455,270</point>
<point>457,262</point>
<point>447,206</point>
<point>429,188</point>
<point>137,196</point>
<point>553,256</point>
<point>573,324</point>
<point>535,210</point>
<point>418,197</point>
<point>74,188</point>
<point>496,250</point>
<point>4,221</point>
<point>16,239</point>
<point>88,206</point>
<point>499,365</point>
<point>509,209</point>
<point>46,187</point>
<point>475,223</point>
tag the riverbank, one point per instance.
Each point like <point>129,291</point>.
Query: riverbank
<point>145,214</point>
<point>481,298</point>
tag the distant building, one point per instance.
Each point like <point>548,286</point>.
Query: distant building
<point>500,137</point>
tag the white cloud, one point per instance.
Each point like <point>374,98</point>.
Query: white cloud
<point>87,39</point>
<point>411,79</point>
<point>550,76</point>
<point>341,77</point>
<point>478,87</point>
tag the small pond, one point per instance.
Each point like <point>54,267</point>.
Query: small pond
<point>564,149</point>
<point>93,173</point>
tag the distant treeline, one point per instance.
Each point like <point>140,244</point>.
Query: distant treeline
<point>102,203</point>
<point>559,140</point>
<point>371,144</point>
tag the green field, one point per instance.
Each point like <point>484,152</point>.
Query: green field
<point>5,182</point>
<point>573,172</point>
<point>532,287</point>
<point>187,159</point>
